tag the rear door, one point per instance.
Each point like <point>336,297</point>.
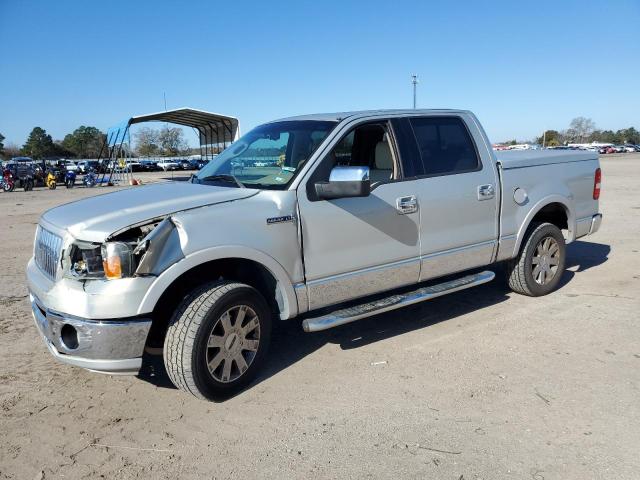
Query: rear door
<point>457,191</point>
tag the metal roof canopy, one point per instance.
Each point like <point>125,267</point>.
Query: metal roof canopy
<point>213,128</point>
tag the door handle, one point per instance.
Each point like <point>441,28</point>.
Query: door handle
<point>408,204</point>
<point>486,192</point>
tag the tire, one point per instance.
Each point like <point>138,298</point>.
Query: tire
<point>543,247</point>
<point>200,319</point>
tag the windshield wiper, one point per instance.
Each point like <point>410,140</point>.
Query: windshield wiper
<point>227,177</point>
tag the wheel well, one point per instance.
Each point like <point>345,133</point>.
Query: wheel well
<point>554,213</point>
<point>235,269</point>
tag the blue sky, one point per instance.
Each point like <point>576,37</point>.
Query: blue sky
<point>521,67</point>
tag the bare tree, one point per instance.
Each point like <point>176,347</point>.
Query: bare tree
<point>171,141</point>
<point>11,150</point>
<point>147,142</point>
<point>580,129</point>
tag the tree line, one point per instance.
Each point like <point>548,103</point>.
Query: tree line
<point>584,130</point>
<point>89,142</point>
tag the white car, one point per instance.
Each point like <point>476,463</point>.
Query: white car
<point>71,167</point>
<point>168,165</point>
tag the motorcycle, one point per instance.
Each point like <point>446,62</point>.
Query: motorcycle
<point>89,179</point>
<point>51,181</point>
<point>7,181</point>
<point>70,179</point>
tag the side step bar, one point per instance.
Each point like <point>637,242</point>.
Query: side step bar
<point>392,302</point>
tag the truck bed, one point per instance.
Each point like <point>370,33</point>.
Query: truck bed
<point>533,158</point>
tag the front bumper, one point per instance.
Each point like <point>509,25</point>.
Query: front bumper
<point>105,346</point>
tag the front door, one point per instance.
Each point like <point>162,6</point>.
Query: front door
<point>358,246</point>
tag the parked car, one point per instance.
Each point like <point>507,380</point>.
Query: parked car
<point>201,163</point>
<point>188,164</point>
<point>608,150</point>
<point>168,165</point>
<point>23,172</point>
<point>367,212</point>
<point>85,165</point>
<point>134,165</point>
<point>70,166</point>
<point>149,166</point>
<point>629,148</point>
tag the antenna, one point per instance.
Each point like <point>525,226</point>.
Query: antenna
<point>414,80</point>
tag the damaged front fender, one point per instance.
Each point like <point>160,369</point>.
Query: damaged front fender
<point>160,249</point>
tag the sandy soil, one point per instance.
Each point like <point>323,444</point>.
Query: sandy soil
<point>480,384</point>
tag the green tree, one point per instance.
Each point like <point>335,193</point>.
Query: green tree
<point>39,144</point>
<point>84,142</point>
<point>629,135</point>
<point>1,145</point>
<point>607,136</point>
<point>551,138</point>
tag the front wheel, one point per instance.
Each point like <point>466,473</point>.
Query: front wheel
<point>217,340</point>
<point>537,269</point>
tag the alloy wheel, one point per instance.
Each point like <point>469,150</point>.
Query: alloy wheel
<point>545,261</point>
<point>233,343</point>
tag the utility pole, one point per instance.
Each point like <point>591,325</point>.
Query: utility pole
<point>414,80</point>
<point>544,137</point>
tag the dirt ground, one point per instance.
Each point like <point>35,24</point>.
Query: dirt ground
<point>479,384</point>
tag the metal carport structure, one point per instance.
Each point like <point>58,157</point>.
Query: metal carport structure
<point>215,131</point>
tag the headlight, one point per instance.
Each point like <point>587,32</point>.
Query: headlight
<point>110,260</point>
<point>117,260</point>
<point>86,261</point>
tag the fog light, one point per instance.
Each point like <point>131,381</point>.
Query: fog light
<point>69,337</point>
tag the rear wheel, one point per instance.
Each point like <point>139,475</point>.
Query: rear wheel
<point>539,266</point>
<point>217,340</point>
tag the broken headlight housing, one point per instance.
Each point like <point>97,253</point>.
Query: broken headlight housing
<point>109,260</point>
<point>142,250</point>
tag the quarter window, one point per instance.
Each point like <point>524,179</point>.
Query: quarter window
<point>445,145</point>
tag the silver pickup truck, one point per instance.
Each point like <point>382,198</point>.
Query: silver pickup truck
<point>325,218</point>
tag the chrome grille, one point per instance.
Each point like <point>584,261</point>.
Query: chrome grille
<point>48,248</point>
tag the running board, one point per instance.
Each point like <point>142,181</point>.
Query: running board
<point>392,302</point>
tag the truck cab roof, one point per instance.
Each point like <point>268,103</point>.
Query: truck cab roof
<point>339,116</point>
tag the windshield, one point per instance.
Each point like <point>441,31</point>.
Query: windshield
<point>268,156</point>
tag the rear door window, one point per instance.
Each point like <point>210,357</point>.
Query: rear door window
<point>445,145</point>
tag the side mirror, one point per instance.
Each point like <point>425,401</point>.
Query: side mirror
<point>345,182</point>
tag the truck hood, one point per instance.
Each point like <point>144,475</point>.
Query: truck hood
<point>94,219</point>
